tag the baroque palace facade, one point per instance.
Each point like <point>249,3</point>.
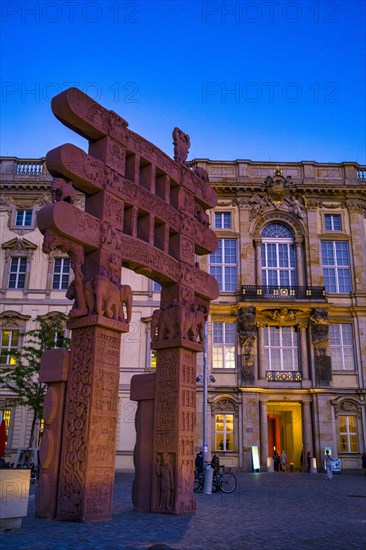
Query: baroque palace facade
<point>286,346</point>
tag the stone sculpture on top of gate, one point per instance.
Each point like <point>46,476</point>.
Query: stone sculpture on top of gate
<point>146,212</point>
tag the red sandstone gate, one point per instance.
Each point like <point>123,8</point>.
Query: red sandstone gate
<point>146,212</point>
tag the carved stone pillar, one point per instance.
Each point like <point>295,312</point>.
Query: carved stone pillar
<point>263,433</point>
<point>261,355</point>
<point>54,372</point>
<point>143,391</point>
<point>90,420</point>
<point>174,430</point>
<point>307,429</point>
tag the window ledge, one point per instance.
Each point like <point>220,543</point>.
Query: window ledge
<point>225,370</point>
<point>345,371</point>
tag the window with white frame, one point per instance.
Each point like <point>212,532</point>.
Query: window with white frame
<point>341,347</point>
<point>336,266</point>
<point>61,274</point>
<point>223,349</point>
<point>281,348</point>
<point>278,256</point>
<point>222,220</point>
<point>18,270</point>
<point>8,346</point>
<point>333,222</point>
<point>224,432</point>
<point>224,265</point>
<point>24,218</point>
<point>348,439</point>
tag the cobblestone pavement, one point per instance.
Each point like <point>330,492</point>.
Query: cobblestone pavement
<point>279,510</point>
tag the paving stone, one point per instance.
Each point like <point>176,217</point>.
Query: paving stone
<point>267,510</point>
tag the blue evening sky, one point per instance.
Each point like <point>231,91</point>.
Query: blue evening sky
<point>260,80</point>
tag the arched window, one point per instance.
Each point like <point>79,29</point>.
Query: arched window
<point>278,256</point>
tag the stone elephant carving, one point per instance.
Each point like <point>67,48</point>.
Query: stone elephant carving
<point>126,301</point>
<point>111,299</point>
<point>194,324</point>
<point>169,321</point>
<point>105,298</point>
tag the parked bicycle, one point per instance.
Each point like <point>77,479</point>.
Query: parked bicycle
<point>223,481</point>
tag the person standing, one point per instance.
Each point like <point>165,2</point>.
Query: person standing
<point>364,464</point>
<point>215,464</point>
<point>283,460</point>
<point>328,463</point>
<point>199,462</point>
<point>308,461</point>
<point>276,461</point>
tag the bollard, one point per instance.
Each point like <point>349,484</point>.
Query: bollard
<point>291,466</point>
<point>270,464</point>
<point>208,473</point>
<point>313,466</point>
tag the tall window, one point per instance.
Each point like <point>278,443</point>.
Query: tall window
<point>5,414</point>
<point>348,434</point>
<point>224,265</point>
<point>222,220</point>
<point>278,256</point>
<point>9,345</point>
<point>341,347</point>
<point>333,222</point>
<point>281,348</point>
<point>223,352</point>
<point>336,266</point>
<point>61,274</point>
<point>18,269</point>
<point>224,432</point>
<point>23,218</point>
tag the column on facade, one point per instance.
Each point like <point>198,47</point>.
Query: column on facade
<point>304,353</point>
<point>299,263</point>
<point>261,355</point>
<point>263,432</point>
<point>307,428</point>
<point>258,262</point>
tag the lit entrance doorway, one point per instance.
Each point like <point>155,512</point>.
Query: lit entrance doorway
<point>285,430</point>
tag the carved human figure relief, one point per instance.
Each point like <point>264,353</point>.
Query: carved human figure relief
<point>165,473</point>
<point>182,144</point>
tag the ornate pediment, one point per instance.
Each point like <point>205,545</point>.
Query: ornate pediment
<point>13,319</point>
<point>283,317</point>
<point>19,245</point>
<point>347,406</point>
<point>223,405</point>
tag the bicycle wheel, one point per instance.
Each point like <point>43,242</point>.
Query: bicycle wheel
<point>198,484</point>
<point>228,483</point>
